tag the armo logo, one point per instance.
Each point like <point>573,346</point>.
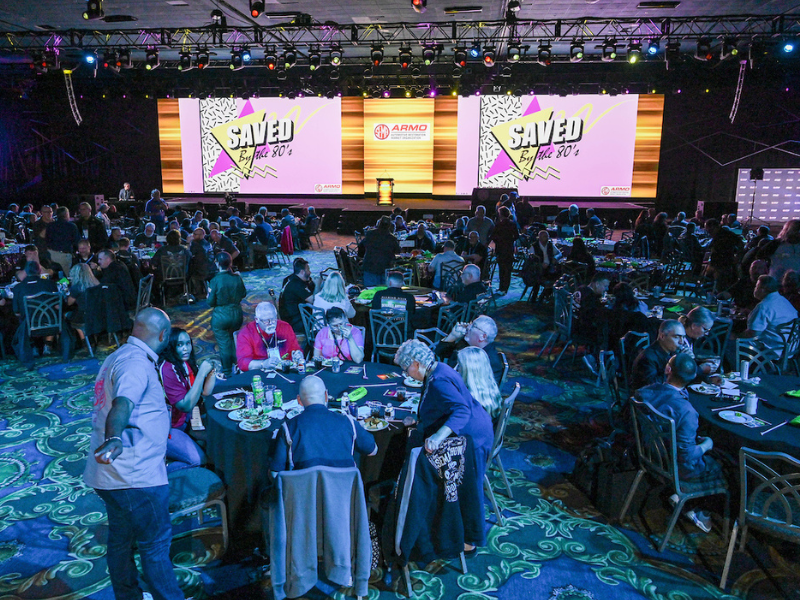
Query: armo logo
<point>605,191</point>
<point>381,132</point>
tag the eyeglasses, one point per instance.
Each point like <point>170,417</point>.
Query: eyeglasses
<point>267,321</point>
<point>473,326</point>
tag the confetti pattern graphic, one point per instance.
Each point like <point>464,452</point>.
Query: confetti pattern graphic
<point>495,110</point>
<point>213,112</point>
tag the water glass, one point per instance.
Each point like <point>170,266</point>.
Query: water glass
<point>375,408</point>
<point>336,365</point>
<point>400,393</point>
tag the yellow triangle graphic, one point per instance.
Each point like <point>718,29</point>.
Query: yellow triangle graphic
<point>523,158</point>
<point>242,157</point>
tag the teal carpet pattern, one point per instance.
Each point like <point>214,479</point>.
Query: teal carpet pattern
<point>554,545</point>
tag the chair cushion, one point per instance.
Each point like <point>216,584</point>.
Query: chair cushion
<point>193,486</point>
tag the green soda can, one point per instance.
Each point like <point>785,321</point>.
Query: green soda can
<point>277,399</point>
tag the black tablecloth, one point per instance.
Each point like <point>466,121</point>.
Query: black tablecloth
<point>774,408</point>
<point>241,458</point>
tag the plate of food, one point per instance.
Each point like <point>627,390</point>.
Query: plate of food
<point>229,403</point>
<point>256,424</point>
<point>734,416</point>
<point>706,389</point>
<point>410,382</point>
<point>375,424</point>
<point>242,414</point>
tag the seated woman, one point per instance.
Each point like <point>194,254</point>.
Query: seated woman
<point>475,370</point>
<point>447,408</point>
<point>184,383</point>
<point>580,253</point>
<point>339,338</point>
<point>333,293</point>
<point>400,224</point>
<point>627,314</point>
<point>81,278</point>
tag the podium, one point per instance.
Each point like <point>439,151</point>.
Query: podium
<point>385,190</point>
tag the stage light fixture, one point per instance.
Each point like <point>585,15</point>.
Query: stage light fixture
<point>377,54</point>
<point>432,93</point>
<point>51,61</point>
<point>387,93</point>
<point>419,6</point>
<point>333,74</point>
<point>125,60</point>
<point>703,51</point>
<point>94,10</point>
<point>237,62</point>
<point>609,51</point>
<point>429,54</point>
<point>514,6</point>
<point>653,47</point>
<point>203,58</point>
<point>576,50</point>
<point>544,54</point>
<point>217,16</point>
<point>460,57</point>
<point>475,51</point>
<point>336,55</point>
<point>185,61</point>
<point>110,60</point>
<point>408,93</point>
<point>673,51</point>
<point>788,47</point>
<point>270,58</point>
<point>514,52</point>
<point>246,56</point>
<point>314,58</point>
<point>90,58</point>
<point>289,57</point>
<point>730,47</point>
<point>256,8</point>
<point>405,57</point>
<point>489,56</point>
<point>151,60</point>
<point>634,52</point>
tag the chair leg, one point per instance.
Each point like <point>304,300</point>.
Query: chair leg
<point>553,338</point>
<point>463,563</point>
<point>631,492</point>
<point>407,579</point>
<point>672,520</point>
<point>729,555</point>
<point>567,344</point>
<point>503,475</point>
<point>88,345</point>
<point>493,500</point>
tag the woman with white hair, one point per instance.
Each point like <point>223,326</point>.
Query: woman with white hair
<point>474,368</point>
<point>333,293</point>
<point>447,407</point>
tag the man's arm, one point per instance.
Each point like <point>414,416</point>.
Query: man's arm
<point>116,422</point>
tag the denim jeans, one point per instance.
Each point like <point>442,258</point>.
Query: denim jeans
<point>141,516</point>
<point>373,279</point>
<point>183,450</point>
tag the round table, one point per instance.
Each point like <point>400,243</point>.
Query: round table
<point>242,458</point>
<point>774,407</point>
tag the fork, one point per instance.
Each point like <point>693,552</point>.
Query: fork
<point>364,376</point>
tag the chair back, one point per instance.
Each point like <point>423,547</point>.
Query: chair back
<point>478,306</point>
<point>762,358</point>
<point>770,492</point>
<point>450,275</point>
<point>408,274</point>
<point>656,444</point>
<point>640,281</point>
<point>641,247</point>
<point>43,313</point>
<point>145,291</point>
<point>430,336</point>
<point>790,332</point>
<point>504,376</point>
<point>355,270</point>
<point>389,330</point>
<point>104,310</point>
<point>576,269</point>
<point>450,315</point>
<point>173,268</point>
<point>716,340</point>
<point>630,345</point>
<point>502,423</point>
<point>562,314</point>
<point>313,321</point>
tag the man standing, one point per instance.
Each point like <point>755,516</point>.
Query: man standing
<point>648,368</point>
<point>130,427</point>
<point>298,289</point>
<point>378,248</point>
<point>156,209</point>
<point>482,224</point>
<point>91,228</point>
<point>126,194</point>
<point>62,239</point>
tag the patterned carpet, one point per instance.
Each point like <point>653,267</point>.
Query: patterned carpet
<point>554,545</point>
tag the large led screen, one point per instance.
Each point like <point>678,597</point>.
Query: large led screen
<point>775,198</point>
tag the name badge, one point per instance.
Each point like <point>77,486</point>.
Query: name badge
<point>273,354</point>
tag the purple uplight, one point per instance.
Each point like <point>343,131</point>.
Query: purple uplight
<point>433,93</point>
<point>386,93</point>
<point>478,93</point>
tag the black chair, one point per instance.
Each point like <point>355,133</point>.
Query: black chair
<point>44,317</point>
<point>103,313</point>
<point>173,274</point>
<point>313,322</point>
<point>762,359</point>
<point>716,340</point>
<point>449,316</point>
<point>144,293</point>
<point>790,332</point>
<point>562,324</point>
<point>630,345</point>
<point>389,330</point>
<point>450,275</point>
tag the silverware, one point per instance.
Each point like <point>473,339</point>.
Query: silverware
<point>727,407</point>
<point>372,385</point>
<point>364,376</point>
<point>283,377</point>
<point>774,428</point>
<point>320,371</point>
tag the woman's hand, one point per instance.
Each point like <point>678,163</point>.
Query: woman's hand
<point>204,369</point>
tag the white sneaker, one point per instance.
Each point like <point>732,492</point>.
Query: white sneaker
<point>147,596</point>
<point>702,524</point>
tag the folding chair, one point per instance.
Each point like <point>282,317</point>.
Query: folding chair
<point>494,455</point>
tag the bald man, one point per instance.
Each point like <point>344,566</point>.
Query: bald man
<point>319,437</point>
<point>130,426</point>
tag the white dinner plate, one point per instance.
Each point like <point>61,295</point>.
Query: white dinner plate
<point>375,424</point>
<point>255,424</point>
<point>229,403</point>
<point>706,389</point>
<point>242,414</point>
<point>734,416</point>
<point>412,382</point>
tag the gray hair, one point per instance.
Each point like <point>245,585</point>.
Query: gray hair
<point>488,326</point>
<point>669,326</point>
<point>264,310</point>
<point>700,315</point>
<point>414,350</point>
<point>474,272</point>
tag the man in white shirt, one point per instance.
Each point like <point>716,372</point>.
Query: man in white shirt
<point>770,313</point>
<point>449,258</point>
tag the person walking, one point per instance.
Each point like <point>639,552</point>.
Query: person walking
<point>225,296</point>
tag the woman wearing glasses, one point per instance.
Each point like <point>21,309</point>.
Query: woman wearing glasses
<point>339,338</point>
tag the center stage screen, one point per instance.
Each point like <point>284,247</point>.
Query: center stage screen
<point>573,146</point>
<point>258,146</point>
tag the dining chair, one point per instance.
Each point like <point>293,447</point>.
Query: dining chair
<point>479,306</point>
<point>504,376</point>
<point>449,316</point>
<point>430,336</point>
<point>790,332</point>
<point>313,321</point>
<point>317,233</point>
<point>44,315</point>
<point>193,490</point>
<point>762,359</point>
<point>494,455</point>
<point>450,275</point>
<point>769,490</point>
<point>144,293</point>
<point>389,330</point>
<point>562,323</point>
<point>173,273</point>
<point>657,450</point>
<point>578,270</point>
<point>716,340</point>
<point>630,345</point>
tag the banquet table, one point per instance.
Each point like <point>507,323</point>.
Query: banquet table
<point>773,407</point>
<point>425,315</point>
<point>9,259</point>
<point>242,458</point>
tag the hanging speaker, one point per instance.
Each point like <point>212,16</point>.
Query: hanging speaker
<point>757,174</point>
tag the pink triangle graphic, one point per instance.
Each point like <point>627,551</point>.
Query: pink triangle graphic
<point>503,162</point>
<point>224,161</point>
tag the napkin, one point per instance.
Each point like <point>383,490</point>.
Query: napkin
<point>370,293</point>
<point>675,309</point>
<point>793,393</point>
<point>287,406</point>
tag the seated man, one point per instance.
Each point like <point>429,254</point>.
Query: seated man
<point>772,311</point>
<point>569,217</point>
<point>339,339</point>
<point>31,254</point>
<point>446,257</point>
<point>129,259</point>
<point>474,251</point>
<point>318,436</point>
<point>549,256</point>
<point>697,323</point>
<point>669,398</point>
<point>113,272</point>
<point>147,238</point>
<point>85,255</point>
<point>298,289</point>
<point>262,238</point>
<point>393,297</point>
<point>648,368</point>
<point>423,239</point>
<point>481,333</point>
<point>263,343</point>
<point>591,321</point>
<point>470,286</point>
<point>173,249</point>
<point>594,226</point>
<point>288,220</point>
<point>222,243</point>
